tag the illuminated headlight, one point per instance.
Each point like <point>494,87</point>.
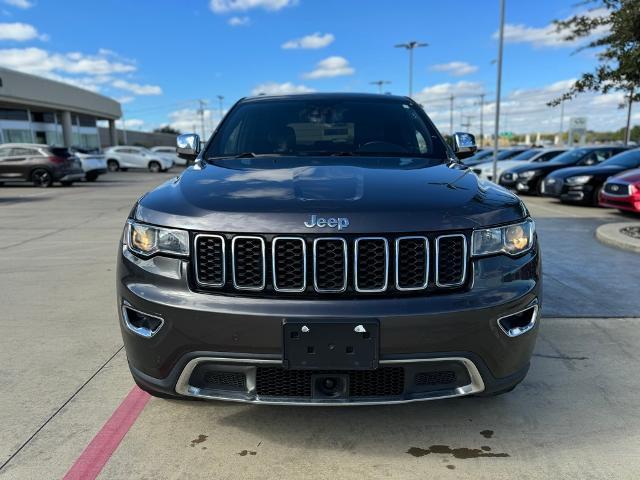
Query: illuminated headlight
<point>510,239</point>
<point>578,180</point>
<point>527,174</point>
<point>147,240</point>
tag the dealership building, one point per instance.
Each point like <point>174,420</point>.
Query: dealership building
<point>38,110</point>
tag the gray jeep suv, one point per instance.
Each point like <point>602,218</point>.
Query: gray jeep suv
<point>328,249</point>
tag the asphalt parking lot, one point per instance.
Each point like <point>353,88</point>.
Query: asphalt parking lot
<point>64,373</point>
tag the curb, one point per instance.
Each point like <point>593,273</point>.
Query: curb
<point>609,234</point>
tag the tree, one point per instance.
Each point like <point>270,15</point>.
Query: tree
<point>616,27</point>
<point>167,129</point>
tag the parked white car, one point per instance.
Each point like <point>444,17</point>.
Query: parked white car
<point>485,170</point>
<point>123,158</point>
<point>93,162</point>
<point>170,152</point>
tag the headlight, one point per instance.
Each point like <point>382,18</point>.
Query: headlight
<point>147,240</point>
<point>527,174</point>
<point>510,239</point>
<point>578,180</point>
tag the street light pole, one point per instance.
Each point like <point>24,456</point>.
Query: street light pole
<point>561,141</point>
<point>411,46</point>
<point>380,83</point>
<point>451,115</point>
<point>482,119</point>
<point>627,137</point>
<point>220,97</point>
<point>201,112</point>
<point>498,87</point>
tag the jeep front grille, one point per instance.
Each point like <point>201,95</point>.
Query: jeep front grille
<point>316,265</point>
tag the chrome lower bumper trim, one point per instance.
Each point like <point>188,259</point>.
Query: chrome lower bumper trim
<point>183,387</point>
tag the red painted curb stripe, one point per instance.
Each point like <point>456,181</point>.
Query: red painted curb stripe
<point>95,455</point>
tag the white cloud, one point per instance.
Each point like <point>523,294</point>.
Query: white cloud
<point>547,36</point>
<point>239,21</point>
<point>224,6</point>
<point>24,4</point>
<point>457,69</point>
<point>125,99</point>
<point>20,32</point>
<point>314,41</point>
<point>190,120</point>
<point>331,67</point>
<point>522,110</point>
<point>41,62</point>
<point>273,88</point>
<point>137,88</point>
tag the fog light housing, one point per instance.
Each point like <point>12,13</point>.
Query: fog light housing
<point>141,323</point>
<point>519,323</point>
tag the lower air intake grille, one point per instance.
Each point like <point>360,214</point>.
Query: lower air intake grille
<point>225,381</point>
<point>451,253</point>
<point>278,382</point>
<point>436,378</point>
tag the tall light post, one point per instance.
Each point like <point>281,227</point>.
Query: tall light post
<point>220,98</point>
<point>380,83</point>
<point>561,140</point>
<point>498,87</point>
<point>627,136</point>
<point>411,46</point>
<point>481,103</point>
<point>202,104</point>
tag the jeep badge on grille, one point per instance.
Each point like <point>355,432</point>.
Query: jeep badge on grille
<point>331,222</point>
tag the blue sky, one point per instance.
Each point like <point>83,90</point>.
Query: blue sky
<point>158,57</point>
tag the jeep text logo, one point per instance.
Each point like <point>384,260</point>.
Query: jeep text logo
<point>332,222</point>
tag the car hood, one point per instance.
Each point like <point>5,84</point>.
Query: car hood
<point>281,200</point>
<point>596,171</point>
<point>630,176</point>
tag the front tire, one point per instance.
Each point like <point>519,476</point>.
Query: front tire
<point>91,177</point>
<point>113,165</point>
<point>155,167</point>
<point>66,184</point>
<point>41,178</point>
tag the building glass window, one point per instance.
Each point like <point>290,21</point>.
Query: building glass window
<point>13,114</point>
<point>43,117</point>
<point>12,135</point>
<point>89,141</point>
<point>86,121</point>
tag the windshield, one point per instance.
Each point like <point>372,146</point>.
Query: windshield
<point>508,154</point>
<point>526,155</point>
<point>570,157</point>
<point>327,127</point>
<point>629,159</point>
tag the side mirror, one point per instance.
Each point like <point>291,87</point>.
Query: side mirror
<point>188,146</point>
<point>464,145</point>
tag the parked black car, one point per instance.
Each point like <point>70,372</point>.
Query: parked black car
<point>40,164</point>
<point>583,184</point>
<point>528,178</point>
<point>328,249</point>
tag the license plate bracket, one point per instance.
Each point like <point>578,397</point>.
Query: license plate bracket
<point>330,344</point>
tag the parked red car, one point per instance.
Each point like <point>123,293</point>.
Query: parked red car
<point>622,192</point>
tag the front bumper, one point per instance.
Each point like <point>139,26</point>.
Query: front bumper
<point>456,331</point>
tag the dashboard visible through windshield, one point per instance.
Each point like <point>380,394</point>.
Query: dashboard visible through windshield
<point>310,127</point>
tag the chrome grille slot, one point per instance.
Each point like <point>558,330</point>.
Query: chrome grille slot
<point>371,258</point>
<point>451,260</point>
<point>248,263</point>
<point>330,265</point>
<point>412,263</point>
<point>289,262</point>
<point>210,260</point>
